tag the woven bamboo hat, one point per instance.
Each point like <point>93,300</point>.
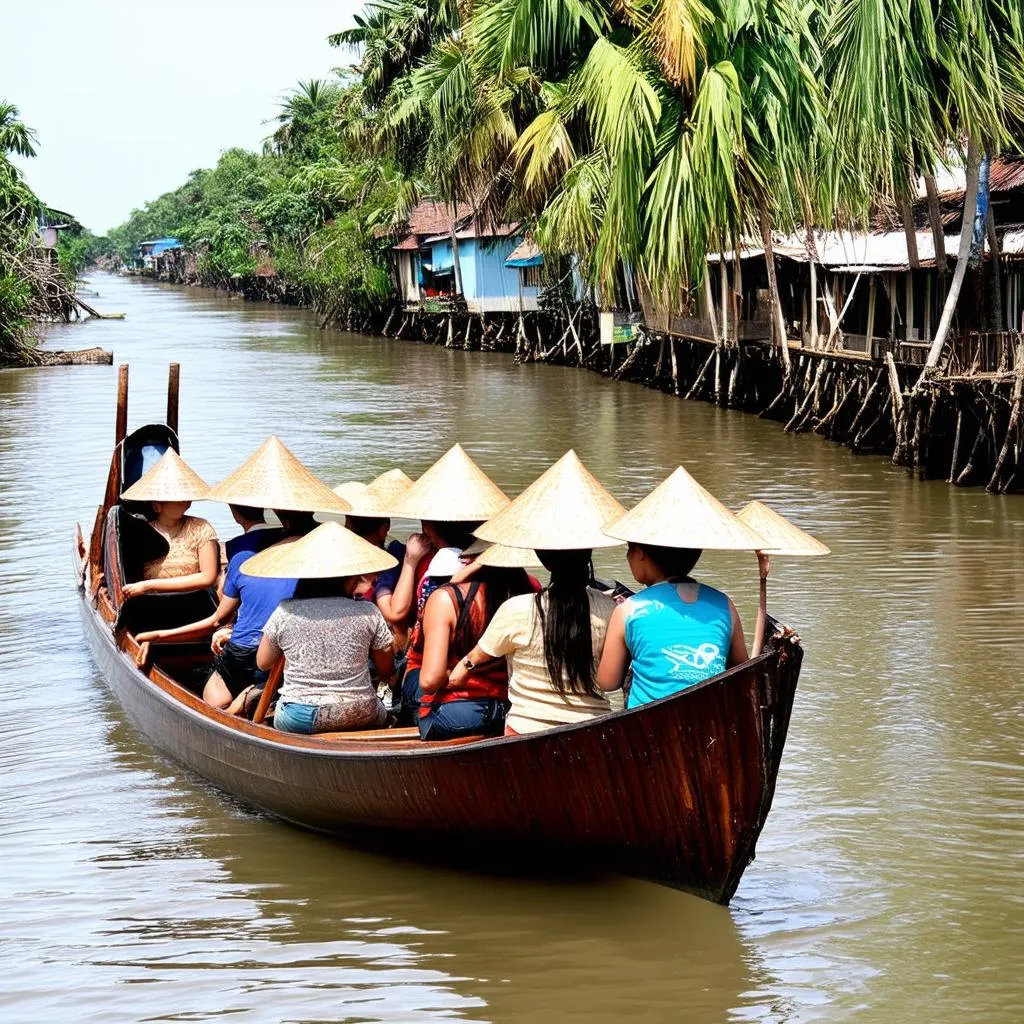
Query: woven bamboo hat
<point>565,508</point>
<point>329,550</point>
<point>169,479</point>
<point>454,490</point>
<point>498,556</point>
<point>375,499</point>
<point>781,536</point>
<point>679,513</point>
<point>273,478</point>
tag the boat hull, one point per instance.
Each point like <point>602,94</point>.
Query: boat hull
<point>676,791</point>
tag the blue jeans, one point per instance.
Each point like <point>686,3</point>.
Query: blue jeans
<point>457,718</point>
<point>295,717</point>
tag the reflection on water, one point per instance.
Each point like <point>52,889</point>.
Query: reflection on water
<point>887,880</point>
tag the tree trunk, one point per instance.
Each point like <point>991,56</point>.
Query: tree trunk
<point>910,230</point>
<point>935,220</point>
<point>456,264</point>
<point>966,237</point>
<point>773,289</point>
<point>995,266</point>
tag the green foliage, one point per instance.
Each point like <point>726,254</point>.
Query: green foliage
<point>77,250</point>
<point>305,214</point>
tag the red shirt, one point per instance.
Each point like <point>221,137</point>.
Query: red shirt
<point>486,682</point>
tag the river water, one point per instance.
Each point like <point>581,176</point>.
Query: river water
<point>887,885</point>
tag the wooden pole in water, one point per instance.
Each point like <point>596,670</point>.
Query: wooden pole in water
<point>121,423</point>
<point>173,386</point>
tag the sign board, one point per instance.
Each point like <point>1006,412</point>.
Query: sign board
<point>620,328</point>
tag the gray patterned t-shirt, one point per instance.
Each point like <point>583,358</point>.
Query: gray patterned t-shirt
<point>327,643</point>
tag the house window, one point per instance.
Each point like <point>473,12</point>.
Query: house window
<point>531,277</point>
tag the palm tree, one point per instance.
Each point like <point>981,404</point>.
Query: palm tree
<point>910,81</point>
<point>15,136</point>
<point>300,110</point>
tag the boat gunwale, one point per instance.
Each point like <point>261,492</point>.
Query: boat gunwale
<point>181,698</point>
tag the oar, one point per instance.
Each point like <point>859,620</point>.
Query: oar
<point>784,538</point>
<point>269,691</point>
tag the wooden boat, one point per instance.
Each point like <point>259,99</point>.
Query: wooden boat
<point>676,791</point>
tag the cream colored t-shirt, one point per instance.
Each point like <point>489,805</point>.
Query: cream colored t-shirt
<point>515,632</point>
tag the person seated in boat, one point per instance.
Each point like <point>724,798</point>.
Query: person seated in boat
<point>454,618</point>
<point>553,639</point>
<point>371,520</point>
<point>192,561</point>
<point>256,534</point>
<point>450,499</point>
<point>676,632</point>
<point>247,602</point>
<point>325,636</point>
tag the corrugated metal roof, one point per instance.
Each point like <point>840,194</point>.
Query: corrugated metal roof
<point>1005,173</point>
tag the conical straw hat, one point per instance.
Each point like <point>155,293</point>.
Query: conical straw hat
<point>329,550</point>
<point>389,487</point>
<point>375,499</point>
<point>169,479</point>
<point>565,508</point>
<point>679,513</point>
<point>498,556</point>
<point>454,490</point>
<point>781,536</point>
<point>273,478</point>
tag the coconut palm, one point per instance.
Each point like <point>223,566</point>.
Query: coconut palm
<point>910,81</point>
<point>15,136</point>
<point>300,110</point>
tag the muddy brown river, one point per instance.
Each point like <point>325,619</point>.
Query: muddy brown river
<point>888,882</point>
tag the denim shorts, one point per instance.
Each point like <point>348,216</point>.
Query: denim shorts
<point>291,716</point>
<point>455,718</point>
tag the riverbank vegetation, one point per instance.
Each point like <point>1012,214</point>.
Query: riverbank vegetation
<point>36,281</point>
<point>630,137</point>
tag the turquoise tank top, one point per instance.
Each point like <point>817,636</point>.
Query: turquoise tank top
<point>673,644</point>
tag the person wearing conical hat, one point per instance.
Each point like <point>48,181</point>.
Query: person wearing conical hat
<point>553,639</point>
<point>455,616</point>
<point>192,561</point>
<point>676,632</point>
<point>272,477</point>
<point>370,519</point>
<point>325,635</point>
<point>450,499</point>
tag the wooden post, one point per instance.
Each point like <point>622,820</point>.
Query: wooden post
<point>909,325</point>
<point>814,302</point>
<point>891,287</point>
<point>872,300</point>
<point>121,423</point>
<point>173,383</point>
<point>927,309</point>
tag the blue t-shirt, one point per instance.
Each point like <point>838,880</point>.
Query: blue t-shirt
<point>674,644</point>
<point>388,579</point>
<point>259,595</point>
<point>253,541</point>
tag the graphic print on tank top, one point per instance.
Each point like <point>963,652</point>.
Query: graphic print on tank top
<point>674,643</point>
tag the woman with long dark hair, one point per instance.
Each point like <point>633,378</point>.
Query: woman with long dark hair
<point>553,639</point>
<point>454,619</point>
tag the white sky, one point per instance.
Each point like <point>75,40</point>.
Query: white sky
<point>129,96</point>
